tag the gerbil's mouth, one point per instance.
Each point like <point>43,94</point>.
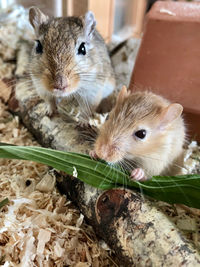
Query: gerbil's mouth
<point>110,155</point>
<point>112,162</point>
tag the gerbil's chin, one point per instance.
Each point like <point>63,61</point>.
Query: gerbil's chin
<point>111,159</point>
<point>63,93</point>
<point>112,162</point>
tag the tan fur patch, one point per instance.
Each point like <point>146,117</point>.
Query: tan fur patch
<point>136,112</point>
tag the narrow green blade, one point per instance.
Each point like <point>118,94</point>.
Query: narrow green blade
<point>173,189</point>
<point>3,202</point>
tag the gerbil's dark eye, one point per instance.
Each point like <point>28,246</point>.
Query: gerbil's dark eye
<point>39,48</point>
<point>107,117</point>
<point>141,134</point>
<point>81,49</point>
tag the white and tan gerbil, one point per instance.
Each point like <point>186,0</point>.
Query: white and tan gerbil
<point>144,132</point>
<point>70,58</point>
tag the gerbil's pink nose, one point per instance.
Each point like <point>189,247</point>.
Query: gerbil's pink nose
<point>60,83</point>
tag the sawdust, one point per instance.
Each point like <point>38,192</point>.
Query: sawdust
<point>5,91</point>
<point>39,227</point>
<point>6,69</point>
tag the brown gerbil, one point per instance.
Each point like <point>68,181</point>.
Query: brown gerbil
<point>144,132</point>
<point>70,58</point>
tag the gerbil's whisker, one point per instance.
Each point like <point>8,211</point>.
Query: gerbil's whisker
<point>121,164</point>
<point>131,165</point>
<point>24,83</point>
<point>111,168</point>
<point>158,159</point>
<point>83,102</point>
<point>87,137</point>
<point>10,83</point>
<point>138,164</point>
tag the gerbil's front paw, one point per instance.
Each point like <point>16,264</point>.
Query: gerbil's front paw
<point>93,154</point>
<point>138,175</point>
<point>51,111</point>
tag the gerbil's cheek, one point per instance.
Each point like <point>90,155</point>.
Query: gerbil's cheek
<point>46,82</point>
<point>74,83</point>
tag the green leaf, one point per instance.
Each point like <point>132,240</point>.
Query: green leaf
<point>2,259</point>
<point>3,202</point>
<point>172,189</point>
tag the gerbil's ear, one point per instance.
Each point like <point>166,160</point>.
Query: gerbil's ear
<point>90,24</point>
<point>170,113</point>
<point>122,94</point>
<point>36,17</point>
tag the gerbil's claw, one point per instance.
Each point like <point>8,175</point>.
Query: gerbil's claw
<point>138,175</point>
<point>93,154</point>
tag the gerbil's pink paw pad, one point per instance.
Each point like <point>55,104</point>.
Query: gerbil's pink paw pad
<point>138,175</point>
<point>93,154</point>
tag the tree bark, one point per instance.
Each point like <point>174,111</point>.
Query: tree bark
<point>138,232</point>
<point>132,226</point>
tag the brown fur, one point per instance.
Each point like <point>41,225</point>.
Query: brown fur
<point>60,38</point>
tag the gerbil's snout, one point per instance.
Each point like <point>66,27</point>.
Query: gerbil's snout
<point>60,83</point>
<point>108,152</point>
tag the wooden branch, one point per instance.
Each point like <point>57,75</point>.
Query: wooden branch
<point>139,233</point>
<point>132,226</point>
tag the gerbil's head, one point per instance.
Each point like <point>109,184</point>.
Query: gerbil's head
<point>63,54</point>
<point>138,126</point>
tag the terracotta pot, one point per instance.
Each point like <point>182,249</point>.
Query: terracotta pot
<point>168,61</point>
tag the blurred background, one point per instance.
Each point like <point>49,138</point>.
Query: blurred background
<point>116,18</point>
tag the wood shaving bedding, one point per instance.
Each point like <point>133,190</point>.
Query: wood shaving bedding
<point>6,69</point>
<point>186,219</point>
<point>14,27</point>
<point>5,91</point>
<point>39,227</point>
